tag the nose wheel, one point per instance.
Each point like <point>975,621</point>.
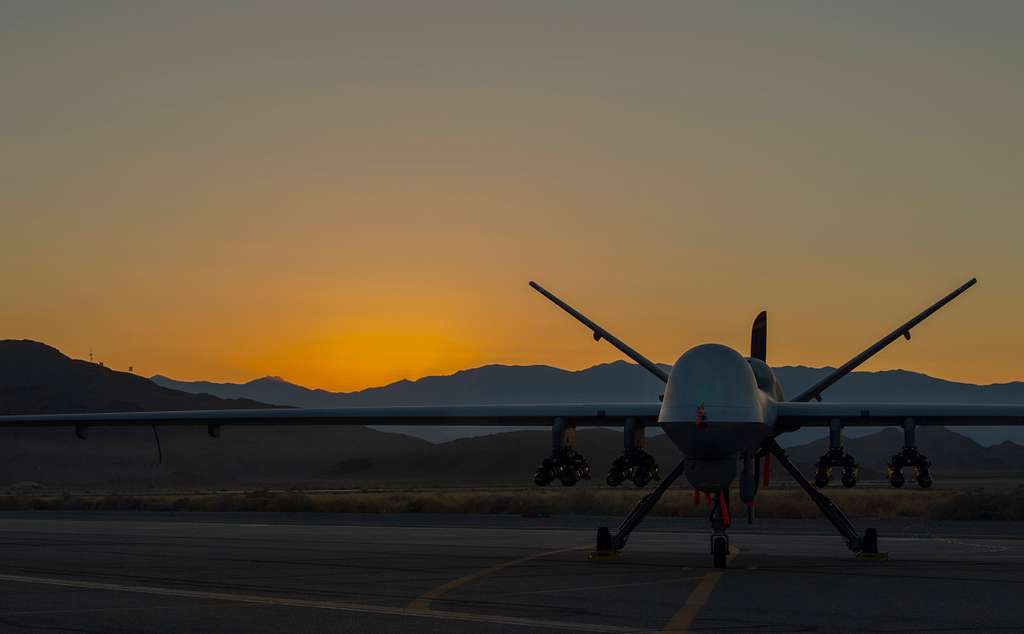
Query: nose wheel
<point>720,549</point>
<point>720,521</point>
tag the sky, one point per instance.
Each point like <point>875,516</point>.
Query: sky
<point>348,194</point>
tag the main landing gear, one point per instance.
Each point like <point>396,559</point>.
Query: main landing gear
<point>909,457</point>
<point>836,456</point>
<point>609,545</point>
<point>866,545</point>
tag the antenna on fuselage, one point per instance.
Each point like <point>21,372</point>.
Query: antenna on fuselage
<point>600,333</point>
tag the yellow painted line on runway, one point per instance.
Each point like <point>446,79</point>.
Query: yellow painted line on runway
<point>422,602</point>
<point>320,605</point>
<point>634,584</point>
<point>685,617</point>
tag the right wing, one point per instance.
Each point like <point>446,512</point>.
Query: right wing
<point>795,415</point>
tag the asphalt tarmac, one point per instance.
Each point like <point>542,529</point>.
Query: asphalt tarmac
<point>231,572</point>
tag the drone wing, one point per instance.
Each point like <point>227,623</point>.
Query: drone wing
<point>583,414</point>
<point>795,415</point>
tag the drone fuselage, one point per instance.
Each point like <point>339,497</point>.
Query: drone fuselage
<point>717,405</point>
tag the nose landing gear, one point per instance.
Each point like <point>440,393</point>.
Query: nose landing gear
<point>720,521</point>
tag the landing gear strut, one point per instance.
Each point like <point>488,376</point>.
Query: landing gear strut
<point>856,543</point>
<point>608,543</point>
<point>836,456</point>
<point>565,463</point>
<point>909,457</point>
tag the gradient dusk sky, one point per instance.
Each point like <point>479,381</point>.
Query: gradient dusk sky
<point>346,194</point>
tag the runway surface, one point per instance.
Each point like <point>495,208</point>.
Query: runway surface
<point>227,572</point>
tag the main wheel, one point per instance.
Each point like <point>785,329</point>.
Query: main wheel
<point>849,480</point>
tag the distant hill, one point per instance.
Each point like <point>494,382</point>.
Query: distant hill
<point>489,384</point>
<point>38,379</point>
<point>610,382</point>
<point>35,378</point>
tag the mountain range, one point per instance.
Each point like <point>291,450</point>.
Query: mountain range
<point>610,382</point>
<point>38,379</point>
<point>35,378</point>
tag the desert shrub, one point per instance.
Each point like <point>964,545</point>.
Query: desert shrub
<point>982,505</point>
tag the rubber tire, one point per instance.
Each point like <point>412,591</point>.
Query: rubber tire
<point>849,481</point>
<point>924,483</point>
<point>614,479</point>
<point>721,553</point>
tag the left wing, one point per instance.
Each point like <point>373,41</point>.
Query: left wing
<point>794,415</point>
<point>583,414</point>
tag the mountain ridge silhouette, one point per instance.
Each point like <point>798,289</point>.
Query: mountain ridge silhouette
<point>618,381</point>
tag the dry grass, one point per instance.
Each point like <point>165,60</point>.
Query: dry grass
<point>777,503</point>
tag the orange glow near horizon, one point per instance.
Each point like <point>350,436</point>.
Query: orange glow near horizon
<point>348,198</point>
